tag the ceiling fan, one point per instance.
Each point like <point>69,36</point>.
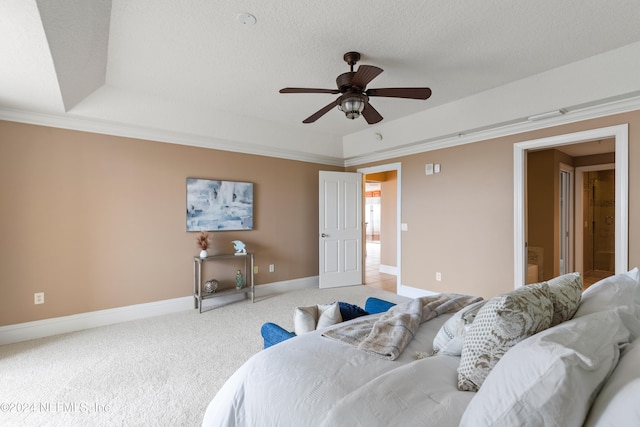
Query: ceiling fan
<point>354,98</point>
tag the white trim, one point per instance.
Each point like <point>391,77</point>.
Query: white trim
<point>605,107</point>
<point>388,269</point>
<point>570,205</point>
<point>76,322</point>
<point>575,114</point>
<point>312,282</point>
<point>398,168</point>
<point>411,292</point>
<point>159,135</point>
<point>621,135</point>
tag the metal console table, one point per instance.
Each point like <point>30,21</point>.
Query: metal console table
<point>248,286</point>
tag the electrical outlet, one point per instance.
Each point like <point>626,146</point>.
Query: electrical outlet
<point>38,298</point>
<point>272,268</point>
<point>438,276</point>
<point>255,269</point>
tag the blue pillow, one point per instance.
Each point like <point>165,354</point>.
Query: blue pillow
<point>350,311</point>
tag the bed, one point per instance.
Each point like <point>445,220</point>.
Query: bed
<point>576,364</point>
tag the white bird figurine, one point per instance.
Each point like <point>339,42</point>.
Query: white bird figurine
<point>240,247</point>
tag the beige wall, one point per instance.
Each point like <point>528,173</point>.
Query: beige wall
<point>98,221</point>
<point>460,221</point>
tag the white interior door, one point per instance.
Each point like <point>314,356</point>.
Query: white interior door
<point>340,229</point>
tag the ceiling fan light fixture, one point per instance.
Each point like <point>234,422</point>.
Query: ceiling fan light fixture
<point>354,98</point>
<point>352,105</point>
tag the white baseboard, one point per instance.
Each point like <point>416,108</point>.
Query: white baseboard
<point>76,322</point>
<point>388,269</point>
<point>289,285</point>
<point>408,291</point>
<point>61,325</point>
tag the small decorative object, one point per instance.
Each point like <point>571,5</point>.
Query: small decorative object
<point>203,243</point>
<point>240,247</point>
<point>238,280</point>
<point>210,286</point>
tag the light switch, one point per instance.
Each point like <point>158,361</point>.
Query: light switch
<point>428,169</point>
<point>404,226</point>
<point>436,168</point>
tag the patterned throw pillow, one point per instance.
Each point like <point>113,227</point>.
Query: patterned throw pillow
<point>565,292</point>
<point>500,324</point>
<point>450,337</point>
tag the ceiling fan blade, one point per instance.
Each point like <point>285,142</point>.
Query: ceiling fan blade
<point>370,114</point>
<point>308,90</point>
<point>321,112</point>
<point>401,92</point>
<point>364,75</point>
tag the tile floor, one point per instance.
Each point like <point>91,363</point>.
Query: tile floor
<point>372,276</point>
<point>593,276</point>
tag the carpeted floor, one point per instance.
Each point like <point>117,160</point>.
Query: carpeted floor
<point>161,371</point>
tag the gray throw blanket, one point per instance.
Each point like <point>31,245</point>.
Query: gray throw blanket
<point>388,335</point>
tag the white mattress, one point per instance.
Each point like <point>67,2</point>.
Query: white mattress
<point>314,381</point>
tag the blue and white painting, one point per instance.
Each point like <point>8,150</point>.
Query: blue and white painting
<point>219,205</point>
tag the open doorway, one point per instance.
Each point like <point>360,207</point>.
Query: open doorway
<point>380,230</point>
<point>596,205</point>
<point>557,222</point>
<point>522,223</point>
<point>381,205</point>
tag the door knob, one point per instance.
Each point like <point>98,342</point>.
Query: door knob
<point>324,235</point>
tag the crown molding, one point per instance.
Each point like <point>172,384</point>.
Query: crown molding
<point>574,114</point>
<point>71,122</point>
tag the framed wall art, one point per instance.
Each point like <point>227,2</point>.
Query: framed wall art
<point>215,205</point>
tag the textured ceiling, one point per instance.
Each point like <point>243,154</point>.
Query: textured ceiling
<point>157,61</point>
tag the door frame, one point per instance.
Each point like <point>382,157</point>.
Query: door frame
<point>621,135</point>
<point>567,207</point>
<point>386,168</point>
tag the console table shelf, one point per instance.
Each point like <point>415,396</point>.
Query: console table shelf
<point>248,286</point>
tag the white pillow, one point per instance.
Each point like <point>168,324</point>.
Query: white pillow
<point>450,337</point>
<point>620,290</point>
<point>307,319</point>
<point>500,324</point>
<point>329,314</point>
<point>617,403</point>
<point>552,377</point>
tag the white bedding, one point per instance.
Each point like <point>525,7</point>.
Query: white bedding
<point>314,381</point>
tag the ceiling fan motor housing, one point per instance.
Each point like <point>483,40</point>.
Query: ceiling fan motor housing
<point>344,81</point>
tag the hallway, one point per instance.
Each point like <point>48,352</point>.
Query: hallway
<point>373,277</point>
